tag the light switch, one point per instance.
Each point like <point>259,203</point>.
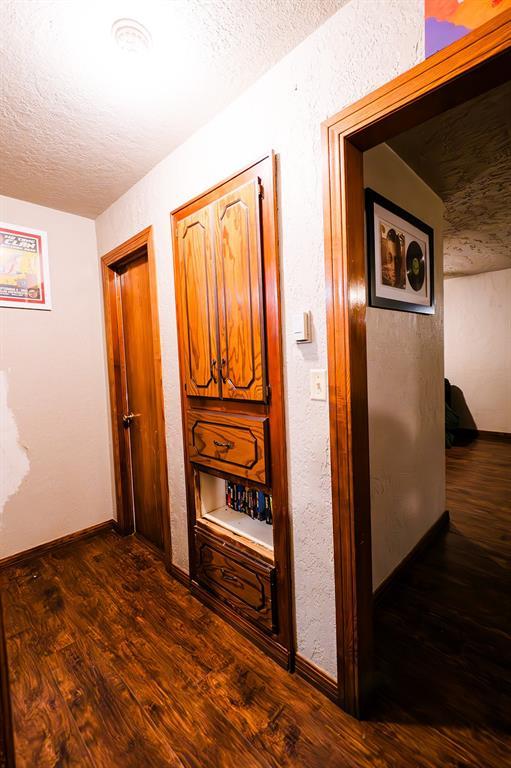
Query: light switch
<point>318,384</point>
<point>302,327</point>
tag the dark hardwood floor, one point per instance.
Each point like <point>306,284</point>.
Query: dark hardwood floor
<point>113,663</point>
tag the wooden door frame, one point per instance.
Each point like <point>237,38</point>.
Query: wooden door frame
<point>463,70</point>
<point>110,262</point>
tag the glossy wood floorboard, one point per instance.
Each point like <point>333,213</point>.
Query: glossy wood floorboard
<point>114,664</point>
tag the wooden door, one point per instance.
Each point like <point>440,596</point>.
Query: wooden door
<point>198,305</point>
<point>140,421</point>
<point>240,295</point>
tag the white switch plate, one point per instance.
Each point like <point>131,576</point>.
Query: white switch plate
<point>318,384</point>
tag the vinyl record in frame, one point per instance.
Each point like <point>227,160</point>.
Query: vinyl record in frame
<point>400,257</point>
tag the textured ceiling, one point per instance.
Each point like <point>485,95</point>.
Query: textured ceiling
<point>81,121</point>
<point>464,155</point>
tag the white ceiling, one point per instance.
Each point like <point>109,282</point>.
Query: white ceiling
<point>81,121</point>
<point>464,155</point>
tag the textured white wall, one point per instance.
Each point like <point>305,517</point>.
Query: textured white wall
<point>405,388</point>
<point>355,51</point>
<point>55,476</point>
<point>478,345</point>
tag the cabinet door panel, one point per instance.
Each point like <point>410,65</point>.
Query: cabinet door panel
<point>240,302</point>
<point>198,305</point>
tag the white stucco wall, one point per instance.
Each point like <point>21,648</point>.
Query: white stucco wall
<point>355,51</point>
<point>55,465</point>
<point>478,345</point>
<point>405,389</point>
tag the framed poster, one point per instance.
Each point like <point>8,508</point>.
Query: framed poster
<point>24,269</point>
<point>400,258</point>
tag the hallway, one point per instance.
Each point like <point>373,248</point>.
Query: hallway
<point>443,632</point>
<point>115,664</point>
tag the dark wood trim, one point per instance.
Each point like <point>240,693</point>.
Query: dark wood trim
<point>484,434</point>
<point>273,649</point>
<point>316,677</point>
<point>117,529</point>
<point>478,62</point>
<point>41,549</point>
<point>6,730</point>
<point>430,537</point>
<point>121,255</point>
<point>180,575</point>
<point>265,170</point>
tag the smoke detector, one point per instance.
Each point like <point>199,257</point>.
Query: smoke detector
<point>131,36</point>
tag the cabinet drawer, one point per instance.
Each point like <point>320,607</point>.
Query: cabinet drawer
<point>233,444</point>
<point>243,582</point>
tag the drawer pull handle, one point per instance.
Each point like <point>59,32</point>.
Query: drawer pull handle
<point>212,369</point>
<point>223,445</point>
<point>226,576</point>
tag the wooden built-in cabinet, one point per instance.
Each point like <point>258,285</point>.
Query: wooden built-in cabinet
<point>228,317</point>
<point>220,267</point>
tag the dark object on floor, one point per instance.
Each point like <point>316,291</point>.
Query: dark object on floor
<point>455,434</point>
<point>451,425</point>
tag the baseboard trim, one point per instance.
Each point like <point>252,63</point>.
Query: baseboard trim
<point>41,549</point>
<point>431,535</point>
<point>118,530</point>
<point>268,645</point>
<point>484,434</point>
<point>317,678</point>
<point>180,575</point>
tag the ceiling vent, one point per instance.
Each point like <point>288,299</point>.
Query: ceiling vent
<point>131,36</point>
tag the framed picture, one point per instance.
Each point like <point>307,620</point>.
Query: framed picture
<point>400,258</point>
<point>24,268</point>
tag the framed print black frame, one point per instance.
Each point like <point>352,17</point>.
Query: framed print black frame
<point>400,257</point>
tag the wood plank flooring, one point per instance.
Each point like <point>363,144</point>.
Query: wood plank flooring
<point>114,664</point>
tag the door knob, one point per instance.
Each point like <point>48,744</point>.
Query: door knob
<point>127,418</point>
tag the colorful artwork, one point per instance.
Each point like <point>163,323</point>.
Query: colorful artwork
<point>448,20</point>
<point>24,272</point>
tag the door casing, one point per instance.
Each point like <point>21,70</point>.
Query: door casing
<point>463,70</point>
<point>110,263</point>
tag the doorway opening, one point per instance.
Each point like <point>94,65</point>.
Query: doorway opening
<point>136,398</point>
<point>439,393</point>
<point>459,73</point>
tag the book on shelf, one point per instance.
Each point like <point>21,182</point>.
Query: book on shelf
<point>248,501</point>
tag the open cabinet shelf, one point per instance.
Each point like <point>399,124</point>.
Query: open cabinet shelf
<point>212,507</point>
